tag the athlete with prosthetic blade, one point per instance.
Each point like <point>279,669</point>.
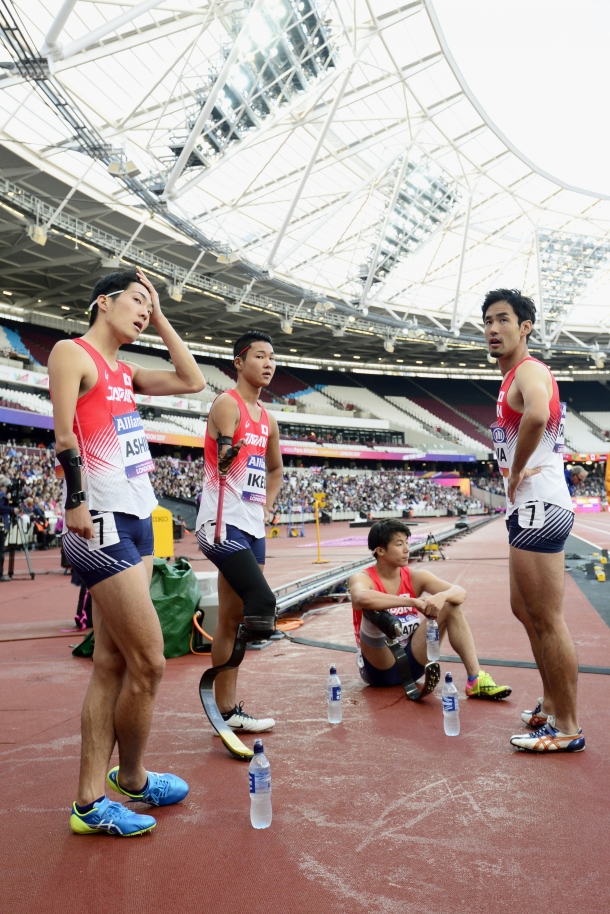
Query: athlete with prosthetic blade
<point>243,475</point>
<point>103,451</point>
<point>386,601</point>
<point>528,440</point>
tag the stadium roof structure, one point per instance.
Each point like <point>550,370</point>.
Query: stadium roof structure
<point>317,167</point>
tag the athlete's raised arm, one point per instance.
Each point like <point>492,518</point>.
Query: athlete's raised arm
<point>533,383</point>
<point>186,377</point>
<point>364,596</point>
<point>274,463</point>
<point>71,373</point>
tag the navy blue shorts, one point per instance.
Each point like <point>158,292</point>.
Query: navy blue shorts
<point>135,540</point>
<point>236,541</point>
<point>383,678</point>
<point>549,538</point>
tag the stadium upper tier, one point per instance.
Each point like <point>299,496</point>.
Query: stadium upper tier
<point>431,414</point>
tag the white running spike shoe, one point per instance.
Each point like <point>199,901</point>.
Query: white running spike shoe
<point>536,718</point>
<point>240,721</point>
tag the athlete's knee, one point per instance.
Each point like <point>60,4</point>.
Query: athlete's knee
<point>146,669</point>
<point>109,664</point>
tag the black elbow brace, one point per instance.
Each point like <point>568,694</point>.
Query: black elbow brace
<point>71,463</point>
<point>243,573</point>
<point>385,622</point>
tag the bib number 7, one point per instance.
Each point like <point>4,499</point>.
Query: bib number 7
<point>531,515</point>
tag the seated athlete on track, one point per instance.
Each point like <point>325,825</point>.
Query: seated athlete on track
<point>391,585</point>
<point>253,482</point>
<point>108,540</point>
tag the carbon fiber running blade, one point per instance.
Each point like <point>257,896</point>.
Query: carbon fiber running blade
<point>206,693</point>
<point>229,738</point>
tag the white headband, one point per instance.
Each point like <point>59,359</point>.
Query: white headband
<point>107,295</point>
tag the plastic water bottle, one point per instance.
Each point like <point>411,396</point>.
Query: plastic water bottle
<point>260,788</point>
<point>333,697</point>
<point>451,707</point>
<point>433,644</point>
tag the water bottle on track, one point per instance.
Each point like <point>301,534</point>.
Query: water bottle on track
<point>333,697</point>
<point>451,708</point>
<point>433,644</point>
<point>260,788</point>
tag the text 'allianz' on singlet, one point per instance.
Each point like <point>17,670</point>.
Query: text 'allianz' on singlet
<point>112,443</point>
<point>549,485</point>
<point>407,615</point>
<point>246,488</point>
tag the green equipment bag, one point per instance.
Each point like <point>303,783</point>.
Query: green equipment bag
<point>175,593</point>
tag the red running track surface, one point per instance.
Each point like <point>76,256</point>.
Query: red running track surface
<point>381,814</point>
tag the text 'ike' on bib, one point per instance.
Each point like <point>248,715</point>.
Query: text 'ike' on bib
<point>255,482</point>
<point>135,451</point>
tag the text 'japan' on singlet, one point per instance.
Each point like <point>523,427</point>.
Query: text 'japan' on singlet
<point>246,489</point>
<point>549,485</point>
<point>112,443</point>
<point>406,615</point>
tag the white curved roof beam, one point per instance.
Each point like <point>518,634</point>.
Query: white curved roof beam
<point>308,168</point>
<point>56,27</point>
<point>190,43</point>
<point>206,110</point>
<point>256,136</point>
<point>59,52</point>
<point>483,114</point>
<point>333,208</point>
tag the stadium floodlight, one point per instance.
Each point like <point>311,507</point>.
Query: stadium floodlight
<point>289,47</point>
<point>567,264</point>
<point>424,203</point>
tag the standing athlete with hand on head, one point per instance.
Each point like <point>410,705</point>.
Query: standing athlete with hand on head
<point>528,439</point>
<point>103,450</point>
<point>242,436</point>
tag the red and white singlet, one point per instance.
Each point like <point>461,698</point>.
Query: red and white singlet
<point>246,490</point>
<point>407,615</point>
<point>113,447</point>
<point>549,485</point>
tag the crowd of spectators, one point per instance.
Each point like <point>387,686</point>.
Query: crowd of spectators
<point>174,478</point>
<point>30,475</point>
<point>385,490</point>
<point>593,486</point>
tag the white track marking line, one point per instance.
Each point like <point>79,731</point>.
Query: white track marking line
<point>588,542</point>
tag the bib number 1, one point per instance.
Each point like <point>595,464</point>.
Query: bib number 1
<point>531,515</point>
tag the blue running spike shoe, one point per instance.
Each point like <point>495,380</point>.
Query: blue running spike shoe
<point>549,739</point>
<point>161,789</point>
<point>108,818</point>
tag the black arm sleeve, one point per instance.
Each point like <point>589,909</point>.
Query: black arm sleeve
<point>71,463</point>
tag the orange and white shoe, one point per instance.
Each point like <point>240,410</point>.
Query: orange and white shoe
<point>549,739</point>
<point>536,718</point>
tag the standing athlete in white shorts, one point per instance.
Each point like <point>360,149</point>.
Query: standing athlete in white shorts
<point>528,439</point>
<point>104,453</point>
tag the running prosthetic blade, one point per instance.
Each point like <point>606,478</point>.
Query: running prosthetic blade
<point>206,693</point>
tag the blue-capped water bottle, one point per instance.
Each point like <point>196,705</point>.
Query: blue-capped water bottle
<point>260,788</point>
<point>451,707</point>
<point>333,697</point>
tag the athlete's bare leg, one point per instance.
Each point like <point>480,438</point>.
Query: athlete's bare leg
<point>452,622</point>
<point>230,614</point>
<point>128,665</point>
<point>539,578</point>
<point>520,612</point>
